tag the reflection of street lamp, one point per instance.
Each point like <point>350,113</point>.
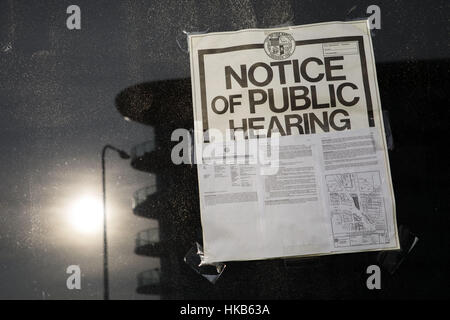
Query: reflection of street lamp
<point>123,155</point>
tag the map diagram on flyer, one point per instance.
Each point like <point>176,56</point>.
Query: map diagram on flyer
<point>358,215</point>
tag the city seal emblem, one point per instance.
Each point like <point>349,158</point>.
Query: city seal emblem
<point>279,45</point>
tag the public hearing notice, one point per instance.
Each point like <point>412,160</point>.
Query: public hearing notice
<point>289,142</point>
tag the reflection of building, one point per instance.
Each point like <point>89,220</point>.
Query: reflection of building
<point>173,199</point>
<point>153,202</point>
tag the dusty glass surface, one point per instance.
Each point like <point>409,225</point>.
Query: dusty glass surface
<point>65,93</point>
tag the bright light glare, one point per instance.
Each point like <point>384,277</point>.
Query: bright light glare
<point>86,214</point>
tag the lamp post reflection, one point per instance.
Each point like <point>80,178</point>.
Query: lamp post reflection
<point>125,156</point>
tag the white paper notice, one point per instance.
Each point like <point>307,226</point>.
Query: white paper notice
<point>290,144</point>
